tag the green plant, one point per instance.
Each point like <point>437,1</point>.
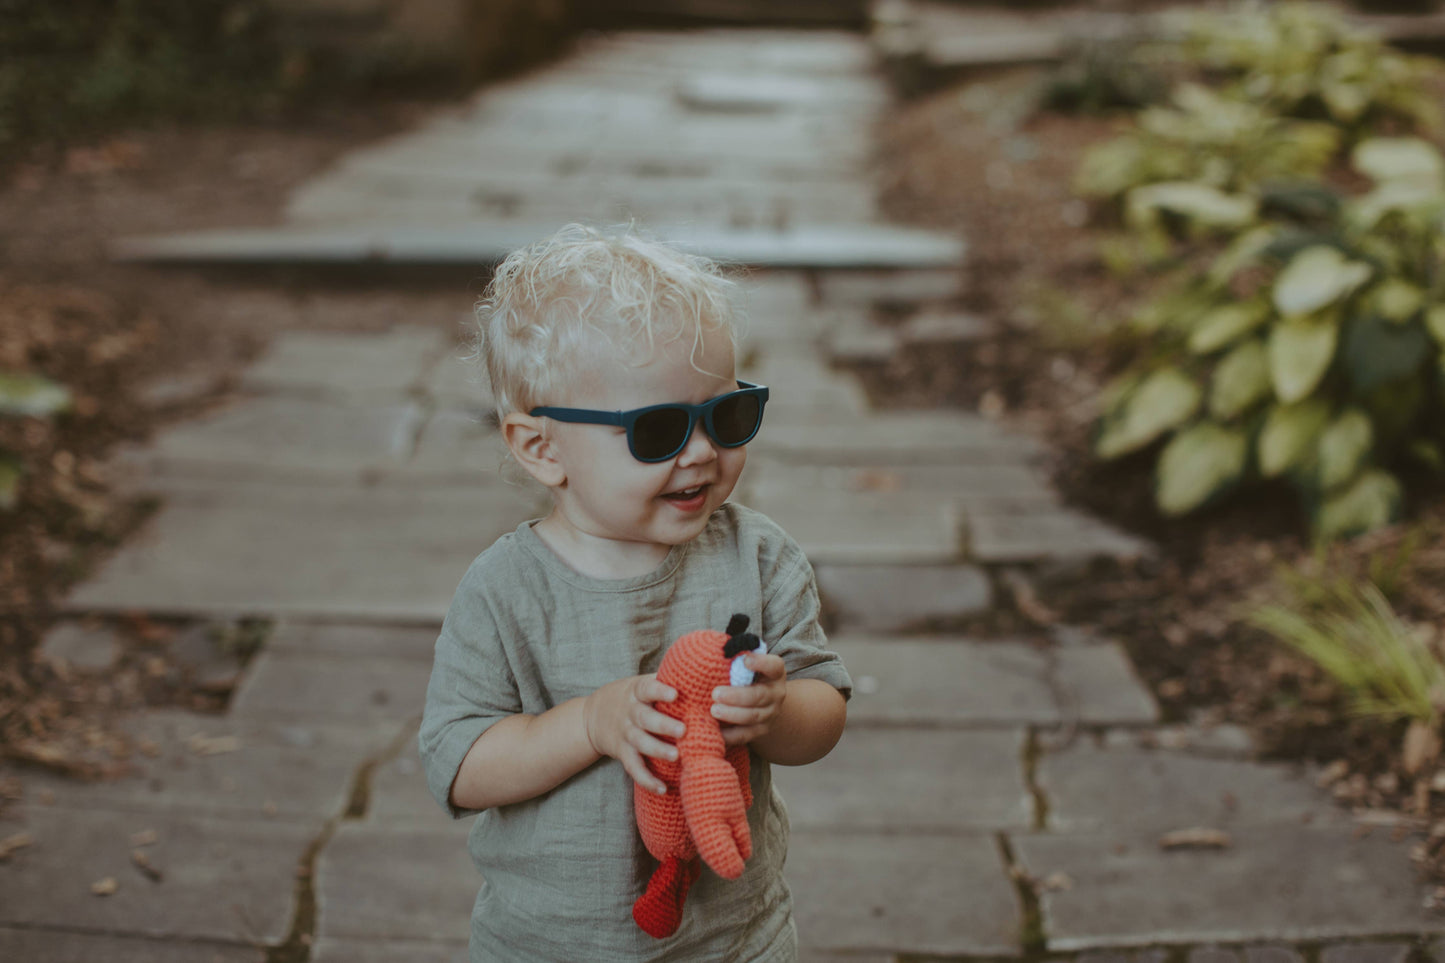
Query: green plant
<point>1388,669</point>
<point>1306,60</point>
<point>1205,144</point>
<point>1277,91</point>
<point>24,396</point>
<point>1309,348</point>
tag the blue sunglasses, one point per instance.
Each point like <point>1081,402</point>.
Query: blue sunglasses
<point>659,432</point>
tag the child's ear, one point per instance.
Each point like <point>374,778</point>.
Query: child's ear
<point>532,449</point>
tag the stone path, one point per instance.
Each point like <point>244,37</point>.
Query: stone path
<point>1000,798</point>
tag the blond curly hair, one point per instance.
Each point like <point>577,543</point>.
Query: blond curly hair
<point>549,303</point>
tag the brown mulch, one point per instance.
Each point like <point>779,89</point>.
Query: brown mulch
<point>963,159</point>
<point>138,348</point>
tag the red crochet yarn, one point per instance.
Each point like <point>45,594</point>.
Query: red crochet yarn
<point>704,812</point>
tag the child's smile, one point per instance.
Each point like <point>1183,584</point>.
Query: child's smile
<point>615,516</point>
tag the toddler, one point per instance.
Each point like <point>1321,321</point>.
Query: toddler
<point>611,359</point>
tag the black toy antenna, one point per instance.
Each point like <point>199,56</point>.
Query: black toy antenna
<point>739,641</point>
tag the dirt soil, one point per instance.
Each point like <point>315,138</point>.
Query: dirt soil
<point>139,348</point>
<point>976,157</point>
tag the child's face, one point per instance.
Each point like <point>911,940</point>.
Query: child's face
<point>608,494</point>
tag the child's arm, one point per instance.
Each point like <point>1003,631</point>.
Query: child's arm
<point>791,722</point>
<point>523,756</point>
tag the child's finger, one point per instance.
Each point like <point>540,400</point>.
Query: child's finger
<point>744,695</point>
<point>649,690</point>
<point>650,745</point>
<point>767,666</point>
<point>741,735</point>
<point>660,723</point>
<point>637,769</point>
<point>736,715</point>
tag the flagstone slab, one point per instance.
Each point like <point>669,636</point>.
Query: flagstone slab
<point>1010,485</point>
<point>465,448</point>
<point>1275,882</point>
<point>912,781</point>
<point>361,554</point>
<point>1100,687</point>
<point>905,284</point>
<point>874,531</point>
<point>901,597</point>
<point>320,687</point>
<point>282,438</point>
<point>398,796</point>
<point>345,364</point>
<point>230,880</point>
<point>334,950</point>
<point>945,681</point>
<point>213,766</point>
<point>395,884</point>
<point>358,641</point>
<point>457,382</point>
<point>1057,535</point>
<point>895,438</point>
<point>488,242</point>
<point>61,946</point>
<point>763,93</point>
<point>865,892</point>
<point>1096,790</point>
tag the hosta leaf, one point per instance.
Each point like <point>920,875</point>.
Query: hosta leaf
<point>1200,203</point>
<point>1399,159</point>
<point>1165,399</point>
<point>1300,352</point>
<point>1197,465</point>
<point>1289,434</point>
<point>29,394</point>
<point>1346,101</point>
<point>1435,321</point>
<point>10,472</point>
<point>1316,277</point>
<point>1371,501</point>
<point>1366,211</point>
<point>1344,446</point>
<point>1396,299</point>
<point>1241,379</point>
<point>1304,202</point>
<point>1226,324</point>
<point>1242,251</point>
<point>1377,351</point>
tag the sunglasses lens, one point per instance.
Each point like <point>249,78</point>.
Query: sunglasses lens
<point>659,434</point>
<point>736,418</point>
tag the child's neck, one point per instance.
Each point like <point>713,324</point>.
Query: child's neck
<point>596,556</point>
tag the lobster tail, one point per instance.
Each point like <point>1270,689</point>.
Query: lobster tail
<point>658,911</point>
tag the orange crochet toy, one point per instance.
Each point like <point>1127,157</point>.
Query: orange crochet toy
<point>704,812</point>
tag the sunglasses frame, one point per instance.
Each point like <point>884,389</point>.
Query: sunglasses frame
<point>628,419</point>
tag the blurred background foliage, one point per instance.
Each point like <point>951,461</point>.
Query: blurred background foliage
<point>81,68</point>
<point>1286,206</point>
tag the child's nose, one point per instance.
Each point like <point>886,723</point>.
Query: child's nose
<point>699,449</point>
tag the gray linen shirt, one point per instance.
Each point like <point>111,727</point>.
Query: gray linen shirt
<point>526,632</point>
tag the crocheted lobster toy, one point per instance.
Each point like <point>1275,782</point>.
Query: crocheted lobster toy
<point>704,812</point>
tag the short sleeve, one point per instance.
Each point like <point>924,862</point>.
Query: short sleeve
<point>471,689</point>
<point>790,621</point>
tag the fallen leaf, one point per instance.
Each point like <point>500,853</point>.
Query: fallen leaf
<point>143,862</point>
<point>1196,837</point>
<point>105,887</point>
<point>1421,747</point>
<point>1057,882</point>
<point>13,842</point>
<point>203,745</point>
<point>876,480</point>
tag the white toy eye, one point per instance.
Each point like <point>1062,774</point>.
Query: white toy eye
<point>738,672</point>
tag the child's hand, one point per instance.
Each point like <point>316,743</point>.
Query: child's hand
<point>747,712</point>
<point>622,723</point>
